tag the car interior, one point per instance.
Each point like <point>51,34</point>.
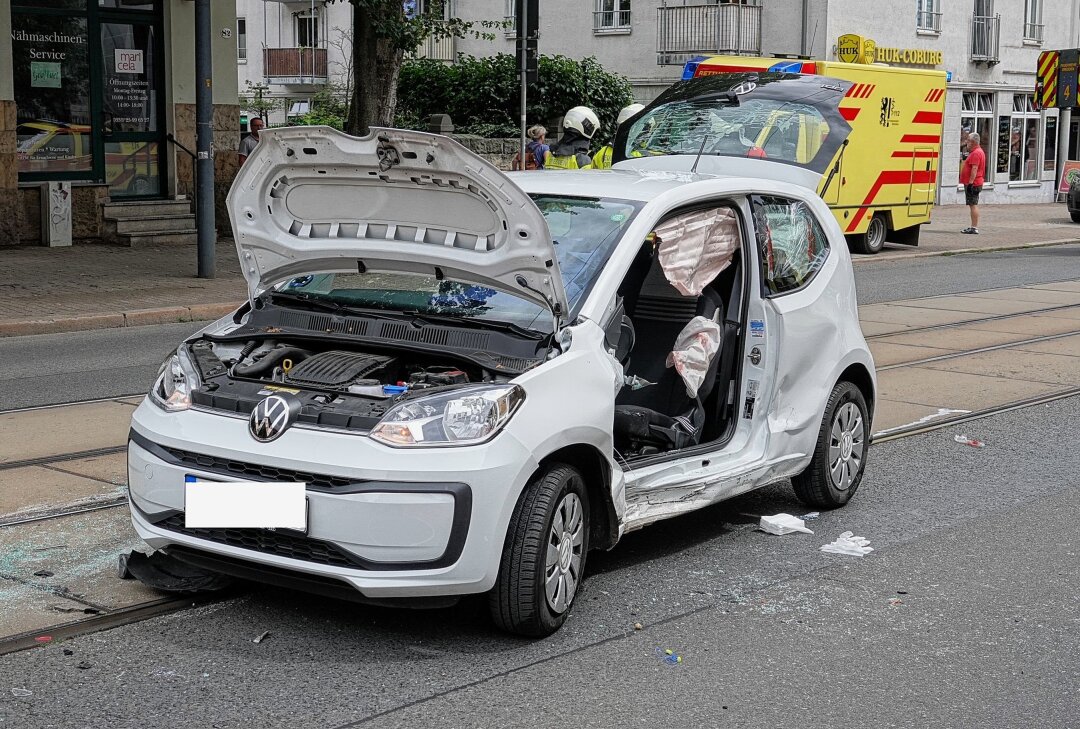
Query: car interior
<point>654,412</point>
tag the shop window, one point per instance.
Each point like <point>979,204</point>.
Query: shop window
<point>51,72</point>
<point>1023,140</point>
<point>1050,138</point>
<point>928,15</point>
<point>977,116</point>
<point>792,245</point>
<point>241,39</point>
<point>611,15</point>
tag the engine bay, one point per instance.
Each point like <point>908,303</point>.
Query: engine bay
<point>338,387</point>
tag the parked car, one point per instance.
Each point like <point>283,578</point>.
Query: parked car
<point>479,379</point>
<point>1072,201</point>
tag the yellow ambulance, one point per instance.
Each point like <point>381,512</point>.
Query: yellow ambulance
<point>880,184</point>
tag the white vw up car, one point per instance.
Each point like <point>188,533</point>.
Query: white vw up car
<point>478,378</point>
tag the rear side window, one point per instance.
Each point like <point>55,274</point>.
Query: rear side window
<point>792,244</point>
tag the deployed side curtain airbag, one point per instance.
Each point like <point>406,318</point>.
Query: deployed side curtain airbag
<point>695,347</point>
<point>695,247</point>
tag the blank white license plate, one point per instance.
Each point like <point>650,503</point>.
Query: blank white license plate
<point>233,505</point>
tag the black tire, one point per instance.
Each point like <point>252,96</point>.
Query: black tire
<point>873,240</point>
<point>519,602</point>
<point>817,485</point>
<point>1075,217</point>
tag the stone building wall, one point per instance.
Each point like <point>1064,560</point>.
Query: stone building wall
<point>226,162</point>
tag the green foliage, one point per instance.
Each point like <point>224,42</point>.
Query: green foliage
<point>327,108</point>
<point>481,95</point>
<point>258,100</point>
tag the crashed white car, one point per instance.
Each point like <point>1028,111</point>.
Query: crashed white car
<point>478,378</point>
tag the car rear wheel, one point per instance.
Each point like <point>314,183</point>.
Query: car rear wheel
<point>873,240</point>
<point>544,555</point>
<point>836,470</point>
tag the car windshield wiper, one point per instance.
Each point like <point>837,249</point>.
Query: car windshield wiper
<point>425,318</point>
<point>314,302</point>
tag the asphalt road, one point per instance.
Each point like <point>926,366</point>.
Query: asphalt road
<point>966,615</point>
<point>57,368</point>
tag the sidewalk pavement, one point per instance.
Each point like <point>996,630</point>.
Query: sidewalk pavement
<point>46,290</point>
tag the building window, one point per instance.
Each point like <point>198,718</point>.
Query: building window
<point>977,116</point>
<point>1018,141</point>
<point>307,29</point>
<point>241,39</point>
<point>611,15</point>
<point>928,15</point>
<point>1033,25</point>
<point>510,19</point>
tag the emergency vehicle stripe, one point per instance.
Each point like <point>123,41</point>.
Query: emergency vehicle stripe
<point>920,139</point>
<point>869,89</point>
<point>852,90</point>
<point>890,177</point>
<point>935,96</point>
<point>927,117</point>
<point>849,112</point>
<point>929,94</point>
<point>929,155</point>
<point>1048,73</point>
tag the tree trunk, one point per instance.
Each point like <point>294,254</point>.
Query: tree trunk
<point>376,68</point>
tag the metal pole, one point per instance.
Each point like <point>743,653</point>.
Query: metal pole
<point>204,137</point>
<point>523,44</point>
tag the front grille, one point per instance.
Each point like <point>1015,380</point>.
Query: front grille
<point>280,544</point>
<point>255,471</point>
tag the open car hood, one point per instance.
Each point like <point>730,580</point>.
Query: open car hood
<point>313,199</point>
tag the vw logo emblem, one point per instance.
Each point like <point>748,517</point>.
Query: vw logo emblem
<point>272,417</point>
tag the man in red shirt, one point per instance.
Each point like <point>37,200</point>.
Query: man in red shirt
<point>972,176</point>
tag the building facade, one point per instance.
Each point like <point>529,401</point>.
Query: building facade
<point>97,94</point>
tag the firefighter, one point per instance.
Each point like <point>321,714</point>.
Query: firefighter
<point>571,152</point>
<point>602,159</point>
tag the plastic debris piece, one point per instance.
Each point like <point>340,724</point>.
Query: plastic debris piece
<point>261,637</point>
<point>636,383</point>
<point>21,693</point>
<point>162,572</point>
<point>43,573</point>
<point>965,440</point>
<point>895,601</point>
<point>668,656</point>
<point>83,665</point>
<point>811,516</point>
<point>43,639</point>
<point>68,652</point>
<point>848,543</point>
<point>781,524</point>
<point>639,626</point>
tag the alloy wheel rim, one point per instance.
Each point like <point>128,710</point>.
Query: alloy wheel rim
<point>562,569</point>
<point>847,445</point>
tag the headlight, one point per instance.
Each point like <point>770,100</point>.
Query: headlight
<point>462,417</point>
<point>175,382</point>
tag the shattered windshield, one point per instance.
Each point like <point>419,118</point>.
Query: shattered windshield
<point>585,232</point>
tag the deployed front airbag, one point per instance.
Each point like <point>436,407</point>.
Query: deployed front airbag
<point>695,347</point>
<point>695,247</point>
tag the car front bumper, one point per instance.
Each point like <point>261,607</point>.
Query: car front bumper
<point>390,523</point>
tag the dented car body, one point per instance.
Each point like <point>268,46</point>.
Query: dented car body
<point>480,377</point>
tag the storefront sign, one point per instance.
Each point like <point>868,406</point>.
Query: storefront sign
<point>45,74</point>
<point>128,60</point>
<point>852,48</point>
<point>1070,175</point>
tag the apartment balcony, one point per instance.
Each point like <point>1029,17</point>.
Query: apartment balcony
<point>685,31</point>
<point>295,66</point>
<point>437,49</point>
<point>986,39</point>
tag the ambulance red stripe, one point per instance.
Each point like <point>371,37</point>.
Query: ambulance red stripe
<point>890,177</point>
<point>927,117</point>
<point>920,139</point>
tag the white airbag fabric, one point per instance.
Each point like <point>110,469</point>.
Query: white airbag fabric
<point>695,247</point>
<point>695,347</point>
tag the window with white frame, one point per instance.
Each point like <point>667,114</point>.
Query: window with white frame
<point>928,15</point>
<point>977,117</point>
<point>241,39</point>
<point>510,18</point>
<point>611,15</point>
<point>1019,153</point>
<point>307,29</point>
<point>1033,23</point>
<point>1050,142</point>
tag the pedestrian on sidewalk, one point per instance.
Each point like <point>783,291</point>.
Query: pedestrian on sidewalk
<point>247,144</point>
<point>972,176</point>
<point>535,150</point>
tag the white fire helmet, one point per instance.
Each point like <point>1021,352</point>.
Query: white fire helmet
<point>582,120</point>
<point>629,111</point>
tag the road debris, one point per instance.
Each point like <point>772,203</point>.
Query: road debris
<point>21,693</point>
<point>848,543</point>
<point>669,656</point>
<point>43,639</point>
<point>782,524</point>
<point>639,626</point>
<point>895,602</point>
<point>43,573</point>
<point>811,516</point>
<point>965,440</point>
<point>68,652</point>
<point>261,637</point>
<point>83,665</point>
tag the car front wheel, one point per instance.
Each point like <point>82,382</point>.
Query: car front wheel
<point>544,554</point>
<point>836,470</point>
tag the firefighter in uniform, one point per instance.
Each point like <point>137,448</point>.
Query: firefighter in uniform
<point>571,152</point>
<point>602,159</point>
